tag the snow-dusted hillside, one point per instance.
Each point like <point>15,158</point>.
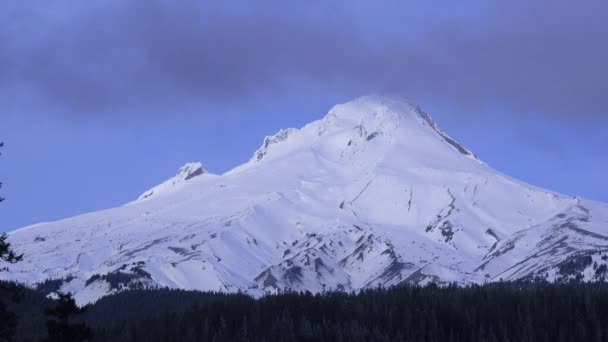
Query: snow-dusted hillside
<point>373,194</point>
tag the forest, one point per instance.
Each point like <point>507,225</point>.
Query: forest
<point>531,311</point>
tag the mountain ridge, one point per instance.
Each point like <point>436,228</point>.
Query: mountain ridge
<point>373,194</point>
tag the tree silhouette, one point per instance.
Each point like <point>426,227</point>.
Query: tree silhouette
<point>6,252</point>
<point>1,198</point>
<point>60,327</point>
<point>8,292</point>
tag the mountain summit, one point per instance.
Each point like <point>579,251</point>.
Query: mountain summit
<point>373,194</point>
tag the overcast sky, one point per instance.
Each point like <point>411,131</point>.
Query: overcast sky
<point>102,99</point>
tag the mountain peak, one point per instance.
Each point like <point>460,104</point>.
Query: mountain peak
<point>184,174</point>
<point>373,123</point>
<point>378,114</point>
<point>190,170</point>
<point>374,107</point>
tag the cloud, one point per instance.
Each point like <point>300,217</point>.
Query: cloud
<point>104,56</point>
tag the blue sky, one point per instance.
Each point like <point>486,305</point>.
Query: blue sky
<point>104,100</point>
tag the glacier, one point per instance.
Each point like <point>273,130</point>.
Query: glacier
<point>373,194</point>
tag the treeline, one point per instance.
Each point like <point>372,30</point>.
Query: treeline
<point>493,312</point>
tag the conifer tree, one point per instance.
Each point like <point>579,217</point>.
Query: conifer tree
<point>61,326</point>
<point>8,292</point>
<point>6,252</point>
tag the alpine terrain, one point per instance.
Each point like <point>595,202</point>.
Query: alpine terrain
<point>373,194</point>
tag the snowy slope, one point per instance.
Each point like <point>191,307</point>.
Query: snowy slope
<point>373,194</point>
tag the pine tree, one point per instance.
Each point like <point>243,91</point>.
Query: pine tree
<point>8,292</point>
<point>60,328</point>
<point>1,198</point>
<point>6,252</point>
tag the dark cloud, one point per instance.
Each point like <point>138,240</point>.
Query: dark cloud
<point>100,56</point>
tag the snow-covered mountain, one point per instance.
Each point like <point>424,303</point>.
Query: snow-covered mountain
<point>373,194</point>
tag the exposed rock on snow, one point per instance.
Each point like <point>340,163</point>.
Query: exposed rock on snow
<point>184,174</point>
